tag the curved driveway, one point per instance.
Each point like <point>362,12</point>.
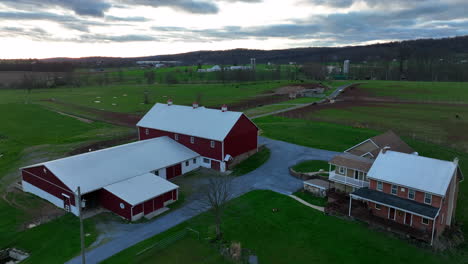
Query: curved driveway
<point>273,175</point>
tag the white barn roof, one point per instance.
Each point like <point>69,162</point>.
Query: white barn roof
<point>422,173</point>
<point>200,122</point>
<point>141,188</point>
<point>94,170</point>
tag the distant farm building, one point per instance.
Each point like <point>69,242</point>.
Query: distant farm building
<point>133,180</point>
<point>215,68</point>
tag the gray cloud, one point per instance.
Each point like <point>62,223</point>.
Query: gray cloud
<point>190,6</point>
<point>95,8</point>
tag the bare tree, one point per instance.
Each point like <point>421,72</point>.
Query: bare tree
<point>215,195</point>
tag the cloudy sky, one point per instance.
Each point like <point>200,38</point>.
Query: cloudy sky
<point>77,28</point>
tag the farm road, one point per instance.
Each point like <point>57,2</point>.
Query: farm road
<point>273,175</point>
<point>332,96</point>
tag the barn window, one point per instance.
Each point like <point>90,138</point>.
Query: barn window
<point>212,144</point>
<point>146,131</point>
<point>205,160</point>
<point>187,163</point>
<point>192,140</point>
<point>45,170</point>
<point>122,205</point>
<point>194,161</point>
<point>176,137</point>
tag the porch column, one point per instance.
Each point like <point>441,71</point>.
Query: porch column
<point>350,204</point>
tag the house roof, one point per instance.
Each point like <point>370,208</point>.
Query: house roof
<point>141,188</point>
<point>200,122</point>
<point>94,170</point>
<point>414,171</point>
<point>388,138</point>
<point>395,201</point>
<point>352,161</point>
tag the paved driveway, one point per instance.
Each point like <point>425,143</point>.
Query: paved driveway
<point>273,175</point>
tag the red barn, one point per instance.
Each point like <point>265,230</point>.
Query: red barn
<point>219,136</point>
<point>129,180</point>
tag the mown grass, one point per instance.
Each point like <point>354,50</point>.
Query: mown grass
<point>419,91</point>
<point>253,162</point>
<point>308,197</point>
<point>442,124</point>
<point>293,234</point>
<point>311,166</point>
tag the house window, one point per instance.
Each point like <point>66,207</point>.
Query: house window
<point>428,198</point>
<point>379,186</point>
<point>187,163</point>
<point>341,170</point>
<point>411,194</point>
<point>192,140</point>
<point>205,160</point>
<point>394,189</point>
<point>212,144</point>
<point>378,207</point>
<point>146,131</point>
<point>176,137</point>
<point>194,161</point>
<point>425,221</point>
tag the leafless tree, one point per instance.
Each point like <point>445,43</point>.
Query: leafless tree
<point>216,193</point>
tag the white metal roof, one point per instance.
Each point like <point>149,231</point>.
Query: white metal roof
<point>200,122</point>
<point>97,169</point>
<point>422,173</point>
<point>141,188</point>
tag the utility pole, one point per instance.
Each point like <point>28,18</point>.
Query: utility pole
<point>83,257</point>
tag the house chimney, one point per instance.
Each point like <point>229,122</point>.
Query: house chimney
<point>455,160</point>
<point>224,108</point>
<point>385,149</point>
<point>195,105</point>
<point>169,102</point>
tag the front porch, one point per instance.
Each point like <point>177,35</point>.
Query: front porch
<point>356,183</point>
<point>339,205</point>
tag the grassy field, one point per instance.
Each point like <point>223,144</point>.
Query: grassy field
<point>130,98</point>
<point>456,92</point>
<point>294,234</point>
<point>434,123</point>
<point>311,166</point>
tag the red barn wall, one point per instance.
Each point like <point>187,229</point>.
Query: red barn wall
<point>111,202</point>
<point>242,138</point>
<point>47,181</point>
<point>201,145</point>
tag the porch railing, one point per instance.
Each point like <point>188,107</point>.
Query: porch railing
<point>332,176</point>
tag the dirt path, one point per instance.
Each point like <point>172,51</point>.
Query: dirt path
<point>116,118</point>
<point>84,120</point>
<point>319,208</point>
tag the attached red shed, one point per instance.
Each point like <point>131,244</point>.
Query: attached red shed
<point>217,135</point>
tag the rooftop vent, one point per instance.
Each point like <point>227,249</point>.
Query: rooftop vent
<point>385,149</point>
<point>169,102</point>
<point>416,153</point>
<point>224,108</point>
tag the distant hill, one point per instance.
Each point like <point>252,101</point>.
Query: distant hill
<point>456,47</point>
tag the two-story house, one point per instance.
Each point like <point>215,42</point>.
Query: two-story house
<point>349,170</point>
<point>412,190</point>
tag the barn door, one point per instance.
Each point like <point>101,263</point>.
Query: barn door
<point>215,165</point>
<point>178,170</point>
<point>173,171</point>
<point>148,207</point>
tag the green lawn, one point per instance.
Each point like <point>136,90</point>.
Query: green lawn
<point>266,109</point>
<point>252,162</point>
<point>311,166</point>
<point>308,197</point>
<point>419,91</point>
<point>294,234</point>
